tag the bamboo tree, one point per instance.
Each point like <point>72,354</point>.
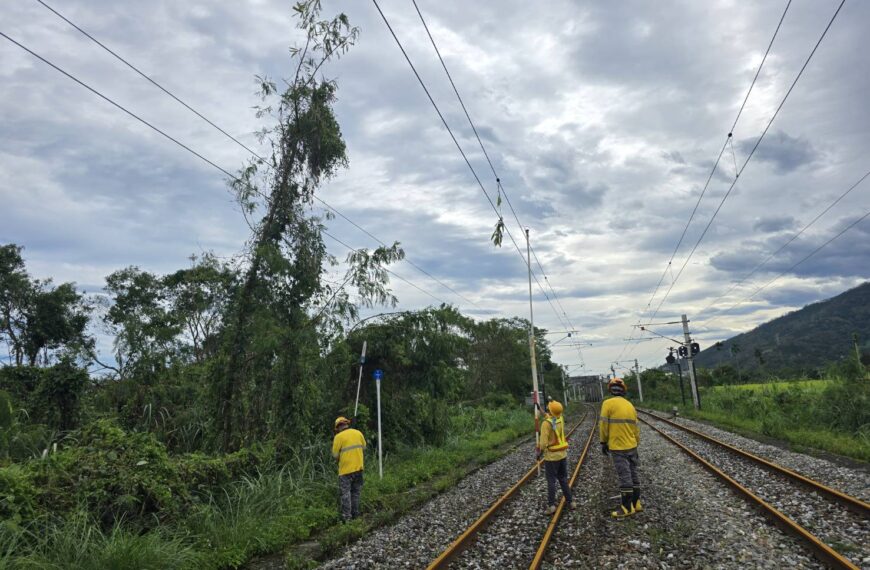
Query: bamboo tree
<point>271,343</point>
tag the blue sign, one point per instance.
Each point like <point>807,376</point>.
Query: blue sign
<point>378,374</point>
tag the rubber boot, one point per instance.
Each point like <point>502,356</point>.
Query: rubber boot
<point>625,509</point>
<point>635,500</point>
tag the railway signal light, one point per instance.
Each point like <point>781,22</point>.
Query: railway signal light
<point>696,348</point>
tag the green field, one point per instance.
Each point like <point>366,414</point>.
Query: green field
<point>828,415</point>
<point>811,385</point>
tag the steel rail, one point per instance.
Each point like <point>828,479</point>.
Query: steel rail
<point>824,552</point>
<point>853,503</point>
<point>545,542</point>
<point>464,539</point>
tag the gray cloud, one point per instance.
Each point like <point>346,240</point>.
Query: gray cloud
<point>775,224</point>
<point>602,120</point>
<point>785,152</point>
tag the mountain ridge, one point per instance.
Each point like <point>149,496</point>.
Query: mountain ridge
<point>802,341</point>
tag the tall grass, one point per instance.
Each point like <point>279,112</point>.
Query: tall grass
<point>79,544</point>
<point>829,415</point>
<point>264,512</point>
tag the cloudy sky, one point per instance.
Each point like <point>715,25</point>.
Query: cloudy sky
<point>602,119</point>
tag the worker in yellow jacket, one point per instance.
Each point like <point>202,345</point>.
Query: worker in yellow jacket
<point>348,447</point>
<point>620,437</point>
<point>554,448</point>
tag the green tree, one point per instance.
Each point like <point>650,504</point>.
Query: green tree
<point>498,359</point>
<point>734,350</point>
<point>145,329</point>
<point>198,298</point>
<point>271,343</point>
<point>38,321</point>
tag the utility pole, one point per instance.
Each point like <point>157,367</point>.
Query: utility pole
<point>600,390</point>
<point>564,388</point>
<point>637,374</point>
<point>532,342</point>
<point>680,374</point>
<point>696,401</point>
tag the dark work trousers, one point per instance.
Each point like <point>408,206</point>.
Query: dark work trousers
<point>626,463</point>
<point>350,488</point>
<point>557,471</point>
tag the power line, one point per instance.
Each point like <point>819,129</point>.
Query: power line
<point>710,177</point>
<point>786,244</point>
<point>119,106</point>
<point>182,145</point>
<point>491,166</point>
<point>153,82</point>
<point>790,269</point>
<point>393,273</point>
<point>238,142</point>
<point>749,157</point>
<point>455,140</point>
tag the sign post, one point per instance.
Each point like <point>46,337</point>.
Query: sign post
<point>535,401</point>
<point>362,360</point>
<point>378,374</point>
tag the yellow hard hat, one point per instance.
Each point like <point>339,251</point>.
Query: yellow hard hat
<point>616,387</point>
<point>555,408</point>
<point>341,420</point>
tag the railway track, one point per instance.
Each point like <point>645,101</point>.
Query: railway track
<point>834,525</point>
<point>501,520</point>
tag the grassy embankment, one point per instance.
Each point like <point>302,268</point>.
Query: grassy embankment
<point>265,512</point>
<point>827,415</point>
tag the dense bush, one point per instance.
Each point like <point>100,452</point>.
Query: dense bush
<point>112,474</point>
<point>18,496</point>
<point>51,396</point>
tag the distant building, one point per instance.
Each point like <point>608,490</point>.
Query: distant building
<point>586,388</point>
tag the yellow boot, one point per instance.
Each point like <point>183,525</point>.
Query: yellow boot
<point>635,500</point>
<point>626,508</point>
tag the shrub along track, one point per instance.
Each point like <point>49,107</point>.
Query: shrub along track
<point>514,532</point>
<point>835,526</point>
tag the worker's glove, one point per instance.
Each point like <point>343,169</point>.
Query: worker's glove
<point>604,449</point>
<point>538,454</point>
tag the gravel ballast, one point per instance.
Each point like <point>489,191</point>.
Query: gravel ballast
<point>840,528</point>
<point>421,536</point>
<point>512,537</point>
<point>850,480</point>
<point>691,520</point>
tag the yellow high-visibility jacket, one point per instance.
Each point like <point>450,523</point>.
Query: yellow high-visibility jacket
<point>550,439</point>
<point>348,447</point>
<point>618,424</point>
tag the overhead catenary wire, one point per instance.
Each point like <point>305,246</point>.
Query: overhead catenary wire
<point>455,141</point>
<point>728,138</point>
<point>749,157</point>
<point>391,272</point>
<point>184,146</point>
<point>238,142</point>
<point>786,244</point>
<point>495,174</point>
<point>793,266</point>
